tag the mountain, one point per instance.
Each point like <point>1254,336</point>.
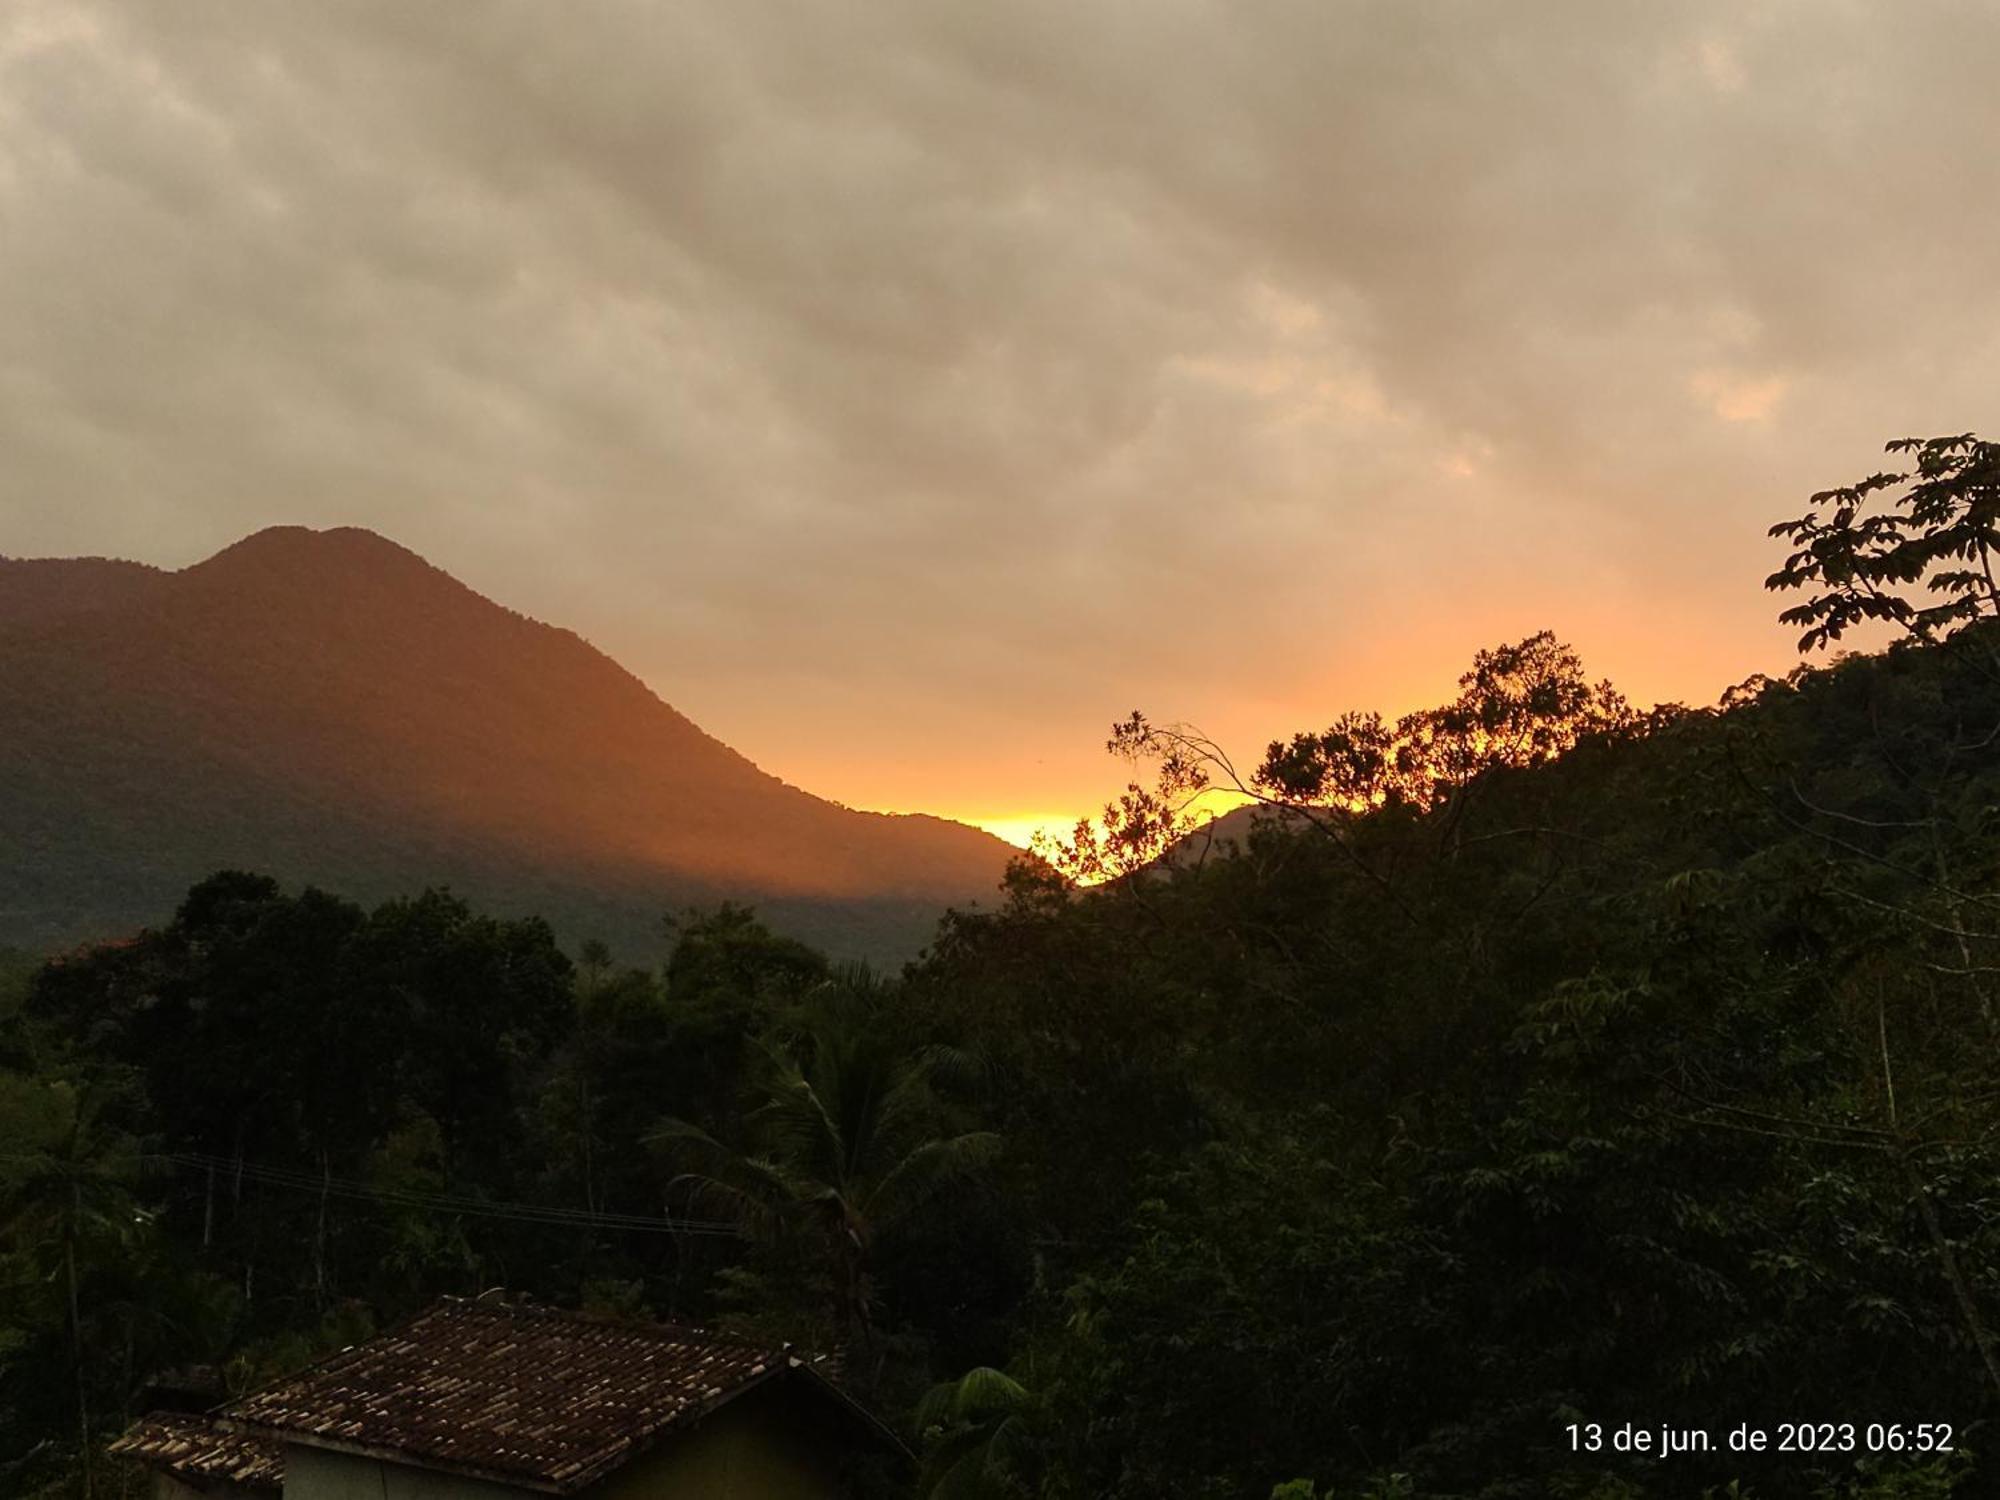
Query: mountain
<point>326,706</point>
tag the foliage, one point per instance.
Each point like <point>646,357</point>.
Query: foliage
<point>1518,705</point>
<point>840,1150</point>
<point>1919,557</point>
<point>979,1433</point>
<point>1637,1071</point>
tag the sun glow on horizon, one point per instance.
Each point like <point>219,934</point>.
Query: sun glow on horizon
<point>1019,829</point>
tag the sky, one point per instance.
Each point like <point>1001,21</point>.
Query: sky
<point>908,390</point>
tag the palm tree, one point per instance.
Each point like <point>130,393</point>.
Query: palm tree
<point>69,1192</point>
<point>842,1151</point>
<point>978,1430</point>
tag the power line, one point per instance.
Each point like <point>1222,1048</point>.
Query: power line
<point>452,1203</point>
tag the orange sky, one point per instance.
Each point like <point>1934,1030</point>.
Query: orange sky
<point>1047,783</point>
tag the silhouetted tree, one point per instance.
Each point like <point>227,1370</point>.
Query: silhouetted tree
<point>1913,549</point>
<point>841,1151</point>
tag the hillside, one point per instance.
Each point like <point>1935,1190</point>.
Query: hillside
<point>1657,1077</point>
<point>328,707</point>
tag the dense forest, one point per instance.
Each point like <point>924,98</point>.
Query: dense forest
<point>1525,1068</point>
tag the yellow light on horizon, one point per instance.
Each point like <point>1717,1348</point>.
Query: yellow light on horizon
<point>1019,829</point>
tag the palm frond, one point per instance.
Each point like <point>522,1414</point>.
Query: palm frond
<point>795,1120</point>
<point>976,1433</point>
<point>927,1171</point>
<point>684,1135</point>
<point>978,1395</point>
<point>964,1069</point>
<point>961,1471</point>
<point>759,1214</point>
<point>754,1191</point>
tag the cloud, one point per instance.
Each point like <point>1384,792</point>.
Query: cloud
<point>906,391</point>
<point>1739,398</point>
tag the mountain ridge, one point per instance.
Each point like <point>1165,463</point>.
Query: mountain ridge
<point>333,690</point>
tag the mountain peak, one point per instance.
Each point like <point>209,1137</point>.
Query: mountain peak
<point>331,708</point>
<point>282,547</point>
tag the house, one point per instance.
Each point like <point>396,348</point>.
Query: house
<point>484,1400</point>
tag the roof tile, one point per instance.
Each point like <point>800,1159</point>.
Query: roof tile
<point>518,1392</point>
<point>193,1448</point>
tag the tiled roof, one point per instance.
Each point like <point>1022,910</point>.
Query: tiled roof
<point>524,1394</point>
<point>194,1449</point>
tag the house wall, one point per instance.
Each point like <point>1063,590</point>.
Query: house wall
<point>166,1487</point>
<point>765,1445</point>
<point>316,1474</point>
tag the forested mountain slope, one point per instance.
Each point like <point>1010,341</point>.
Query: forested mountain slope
<point>329,707</point>
<point>1652,1083</point>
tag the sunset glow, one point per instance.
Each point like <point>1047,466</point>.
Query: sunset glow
<point>1020,829</point>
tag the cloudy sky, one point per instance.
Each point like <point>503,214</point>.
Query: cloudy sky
<point>907,389</point>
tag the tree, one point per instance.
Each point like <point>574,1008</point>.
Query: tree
<point>1913,549</point>
<point>1518,706</point>
<point>67,1206</point>
<point>728,955</point>
<point>1143,823</point>
<point>283,1036</point>
<point>841,1151</point>
<point>978,1432</point>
